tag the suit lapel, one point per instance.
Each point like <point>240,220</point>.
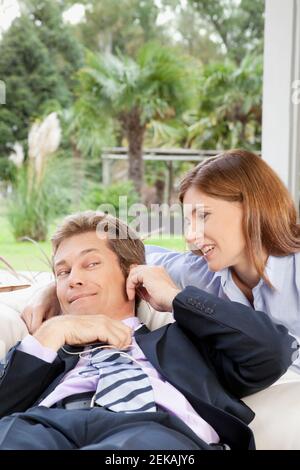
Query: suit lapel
<point>69,355</point>
<point>69,360</point>
<point>149,343</point>
<point>66,362</point>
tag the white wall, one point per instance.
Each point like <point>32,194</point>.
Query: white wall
<point>281,116</point>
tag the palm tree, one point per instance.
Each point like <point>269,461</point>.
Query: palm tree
<point>135,92</point>
<point>229,106</point>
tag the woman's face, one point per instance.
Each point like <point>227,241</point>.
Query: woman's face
<point>214,226</point>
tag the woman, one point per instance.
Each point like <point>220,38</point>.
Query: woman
<point>244,238</point>
<point>243,232</point>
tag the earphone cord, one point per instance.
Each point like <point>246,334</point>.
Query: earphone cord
<point>123,354</point>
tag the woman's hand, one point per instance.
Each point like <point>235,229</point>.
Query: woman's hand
<point>153,284</point>
<point>43,306</point>
<point>83,329</point>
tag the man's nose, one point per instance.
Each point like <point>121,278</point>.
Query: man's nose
<point>75,278</point>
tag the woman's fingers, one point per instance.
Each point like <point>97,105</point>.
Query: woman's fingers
<point>26,317</point>
<point>134,279</point>
<point>33,317</point>
<point>143,293</point>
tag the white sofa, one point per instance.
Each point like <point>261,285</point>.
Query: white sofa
<point>277,421</point>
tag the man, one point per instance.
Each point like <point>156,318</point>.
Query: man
<point>183,381</point>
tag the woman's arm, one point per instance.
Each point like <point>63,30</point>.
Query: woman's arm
<point>185,269</point>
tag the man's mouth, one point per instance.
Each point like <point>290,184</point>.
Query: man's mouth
<point>79,296</point>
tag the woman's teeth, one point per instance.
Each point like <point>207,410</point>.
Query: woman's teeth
<point>207,249</point>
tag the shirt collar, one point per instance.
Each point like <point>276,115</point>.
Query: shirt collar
<point>274,271</point>
<point>132,322</point>
<point>223,274</point>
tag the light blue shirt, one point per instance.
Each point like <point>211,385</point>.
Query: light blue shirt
<point>281,304</point>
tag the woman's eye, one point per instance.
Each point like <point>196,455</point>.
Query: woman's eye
<point>202,215</point>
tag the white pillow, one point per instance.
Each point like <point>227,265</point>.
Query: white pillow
<point>151,318</point>
<point>276,425</point>
<point>12,328</point>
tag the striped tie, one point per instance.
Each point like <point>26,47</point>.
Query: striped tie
<point>122,386</point>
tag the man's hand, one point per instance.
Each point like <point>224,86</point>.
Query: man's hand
<point>83,329</point>
<point>153,284</point>
<point>44,306</point>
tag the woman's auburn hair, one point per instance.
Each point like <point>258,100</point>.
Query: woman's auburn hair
<point>269,214</point>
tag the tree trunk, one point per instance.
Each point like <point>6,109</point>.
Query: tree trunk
<point>135,131</point>
<point>170,181</point>
<point>160,184</point>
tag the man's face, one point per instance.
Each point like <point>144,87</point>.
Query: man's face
<point>89,279</point>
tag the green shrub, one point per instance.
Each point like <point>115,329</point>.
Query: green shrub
<point>8,170</point>
<point>33,206</point>
<point>100,195</point>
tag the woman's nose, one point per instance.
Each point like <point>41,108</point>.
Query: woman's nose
<point>190,234</point>
<point>194,232</point>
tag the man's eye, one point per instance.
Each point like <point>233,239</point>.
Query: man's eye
<point>95,263</point>
<point>62,273</point>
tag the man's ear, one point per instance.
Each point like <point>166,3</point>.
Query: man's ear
<point>133,265</point>
<point>128,269</point>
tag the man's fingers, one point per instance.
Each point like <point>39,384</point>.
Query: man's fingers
<point>118,339</point>
<point>124,334</point>
<point>117,334</point>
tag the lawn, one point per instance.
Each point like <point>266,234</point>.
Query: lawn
<point>29,256</point>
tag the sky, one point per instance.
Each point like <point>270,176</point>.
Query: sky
<point>9,10</point>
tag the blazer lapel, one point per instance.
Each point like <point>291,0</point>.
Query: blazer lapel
<point>67,362</point>
<point>149,343</point>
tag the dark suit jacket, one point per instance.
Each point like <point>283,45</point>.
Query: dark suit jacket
<point>216,352</point>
